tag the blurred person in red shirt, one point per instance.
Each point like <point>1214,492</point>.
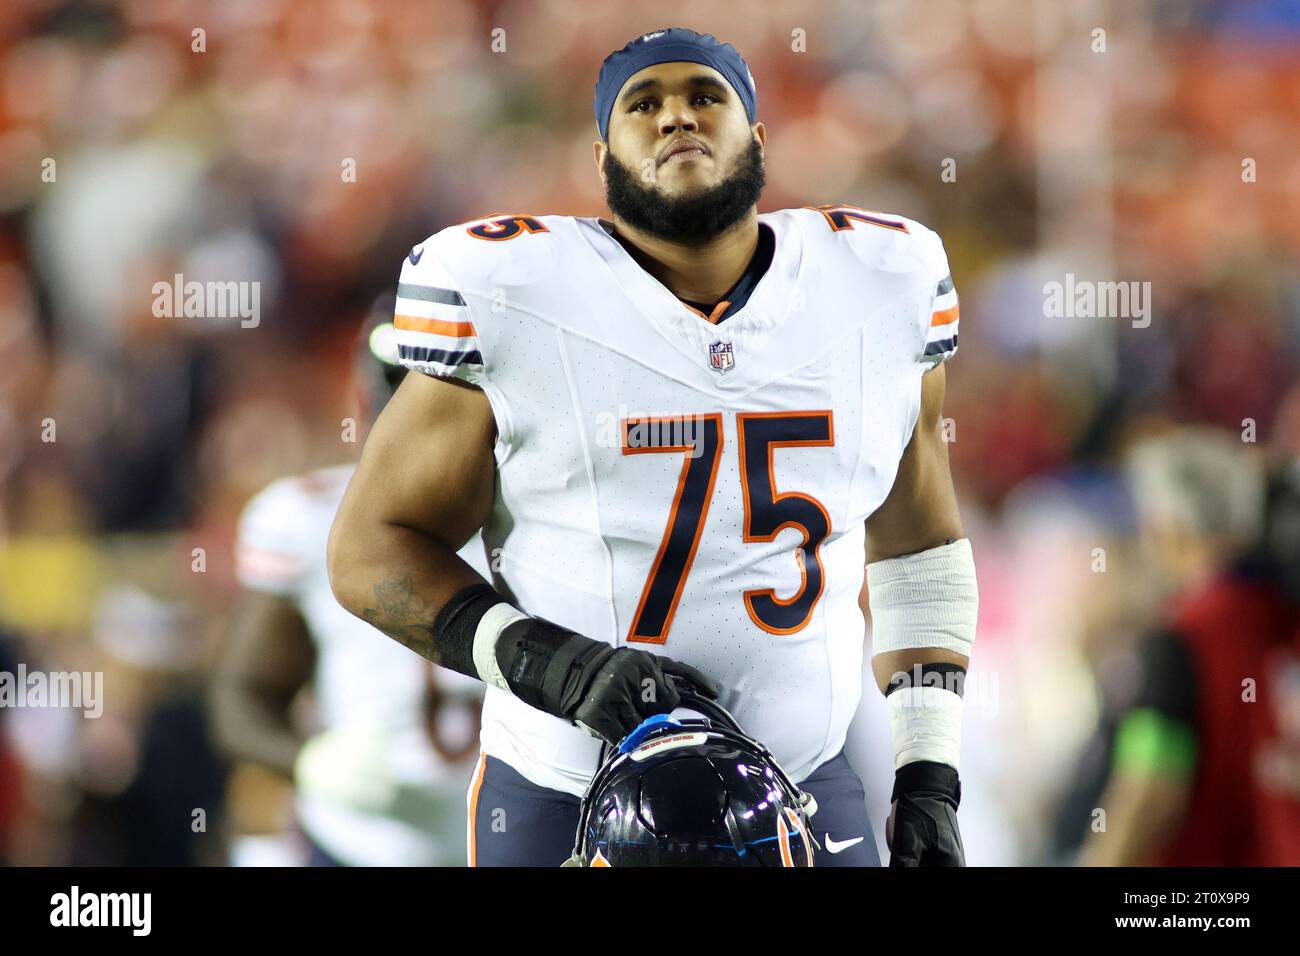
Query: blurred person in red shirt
<point>1205,769</point>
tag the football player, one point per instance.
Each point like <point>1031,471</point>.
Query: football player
<point>678,429</point>
<point>374,783</point>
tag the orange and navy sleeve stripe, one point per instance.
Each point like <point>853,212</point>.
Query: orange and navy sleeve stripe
<point>434,332</point>
<point>941,336</point>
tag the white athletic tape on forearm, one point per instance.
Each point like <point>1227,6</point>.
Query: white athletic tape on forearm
<point>925,724</point>
<point>490,625</point>
<point>928,599</point>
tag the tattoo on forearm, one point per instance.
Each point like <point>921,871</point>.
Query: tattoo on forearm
<point>404,616</point>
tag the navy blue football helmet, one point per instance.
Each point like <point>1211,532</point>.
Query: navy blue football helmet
<point>693,792</point>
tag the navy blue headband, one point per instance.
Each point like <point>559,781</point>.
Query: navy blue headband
<point>675,45</point>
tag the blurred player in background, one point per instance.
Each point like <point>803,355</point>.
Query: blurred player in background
<point>1205,767</point>
<point>382,778</point>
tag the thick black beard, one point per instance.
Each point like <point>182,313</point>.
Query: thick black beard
<point>689,220</point>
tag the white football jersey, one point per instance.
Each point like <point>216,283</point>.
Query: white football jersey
<point>689,488</point>
<point>366,684</point>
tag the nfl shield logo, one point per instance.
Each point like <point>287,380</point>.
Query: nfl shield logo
<point>721,358</point>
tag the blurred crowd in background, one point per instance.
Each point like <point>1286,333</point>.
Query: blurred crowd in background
<point>308,144</point>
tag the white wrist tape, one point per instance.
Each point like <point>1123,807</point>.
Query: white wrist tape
<point>489,629</point>
<point>925,724</point>
<point>928,599</point>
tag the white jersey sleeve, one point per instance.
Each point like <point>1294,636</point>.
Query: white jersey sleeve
<point>271,546</point>
<point>941,332</point>
<point>893,247</point>
<point>435,332</point>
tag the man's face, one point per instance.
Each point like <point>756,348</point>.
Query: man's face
<point>682,160</point>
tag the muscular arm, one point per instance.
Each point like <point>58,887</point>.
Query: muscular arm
<point>268,659</point>
<point>920,513</point>
<point>423,486</point>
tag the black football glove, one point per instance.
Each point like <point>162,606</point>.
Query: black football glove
<point>605,690</point>
<point>922,828</point>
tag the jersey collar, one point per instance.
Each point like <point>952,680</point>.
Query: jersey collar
<point>753,293</point>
